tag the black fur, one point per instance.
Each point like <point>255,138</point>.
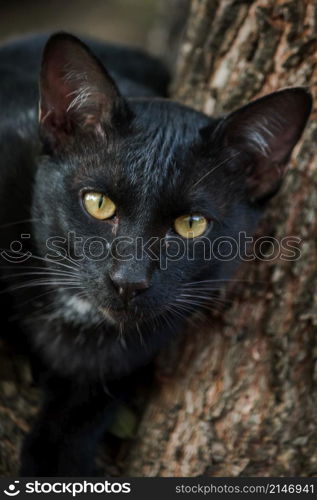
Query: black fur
<point>157,160</point>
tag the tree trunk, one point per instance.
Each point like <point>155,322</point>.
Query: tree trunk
<point>237,395</point>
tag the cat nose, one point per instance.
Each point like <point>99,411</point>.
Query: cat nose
<point>129,288</point>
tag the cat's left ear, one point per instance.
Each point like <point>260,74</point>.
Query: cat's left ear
<point>267,131</point>
<point>76,92</point>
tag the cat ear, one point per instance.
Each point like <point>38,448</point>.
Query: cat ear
<point>267,130</point>
<point>76,92</point>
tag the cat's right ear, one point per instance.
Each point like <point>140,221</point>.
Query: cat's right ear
<point>76,93</point>
<point>264,133</point>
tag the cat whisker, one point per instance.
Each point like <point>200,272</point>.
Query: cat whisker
<point>123,343</point>
<point>187,312</point>
<point>51,304</point>
<point>40,283</point>
<point>208,293</point>
<point>41,273</point>
<point>177,311</point>
<point>170,324</point>
<point>226,160</point>
<point>80,339</point>
<point>140,334</point>
<point>99,324</point>
<point>205,297</point>
<point>42,259</point>
<point>224,281</point>
<point>57,262</point>
<point>197,303</point>
<point>72,261</point>
<point>153,320</point>
<point>38,268</point>
<point>23,221</point>
<point>121,330</point>
<point>187,309</point>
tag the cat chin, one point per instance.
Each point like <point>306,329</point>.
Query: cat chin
<point>84,309</point>
<point>81,310</point>
<point>109,315</point>
<point>123,317</point>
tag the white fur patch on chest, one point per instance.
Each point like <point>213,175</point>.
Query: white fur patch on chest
<point>79,310</point>
<point>79,305</point>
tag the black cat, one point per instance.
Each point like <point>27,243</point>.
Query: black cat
<point>108,209</point>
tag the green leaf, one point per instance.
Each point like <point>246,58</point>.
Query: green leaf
<point>124,425</point>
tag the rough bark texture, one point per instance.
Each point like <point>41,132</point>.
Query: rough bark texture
<point>18,406</point>
<point>237,396</point>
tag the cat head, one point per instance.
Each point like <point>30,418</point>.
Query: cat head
<point>137,191</point>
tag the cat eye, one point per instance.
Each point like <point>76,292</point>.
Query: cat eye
<point>98,205</point>
<point>190,226</point>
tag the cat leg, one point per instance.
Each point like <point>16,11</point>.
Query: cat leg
<point>72,420</point>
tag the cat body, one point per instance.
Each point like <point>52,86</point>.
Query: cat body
<point>91,305</point>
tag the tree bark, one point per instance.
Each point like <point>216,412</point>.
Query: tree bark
<point>237,395</point>
<point>19,401</point>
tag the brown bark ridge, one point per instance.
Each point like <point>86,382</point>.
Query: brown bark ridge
<point>18,407</point>
<point>237,395</point>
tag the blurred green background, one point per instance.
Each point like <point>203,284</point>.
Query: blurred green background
<point>154,25</point>
<point>126,21</point>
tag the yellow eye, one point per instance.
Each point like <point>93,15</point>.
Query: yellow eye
<point>190,226</point>
<point>99,206</point>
